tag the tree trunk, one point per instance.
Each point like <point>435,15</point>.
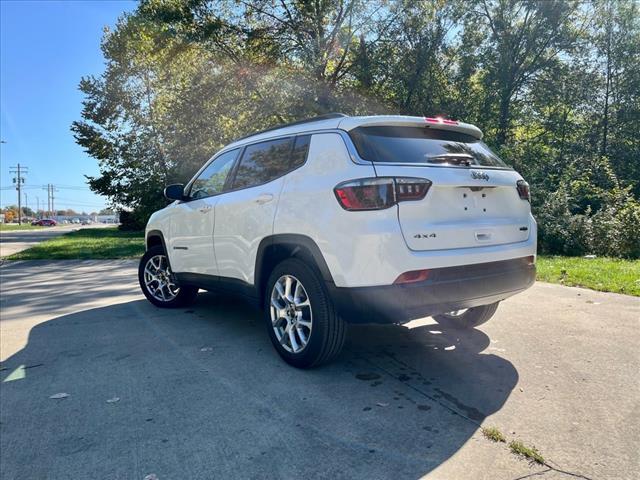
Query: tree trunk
<point>503,118</point>
<point>605,115</point>
<point>365,66</point>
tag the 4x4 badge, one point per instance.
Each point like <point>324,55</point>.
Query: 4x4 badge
<point>424,235</point>
<point>479,176</point>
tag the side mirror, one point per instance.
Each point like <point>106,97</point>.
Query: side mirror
<point>174,192</point>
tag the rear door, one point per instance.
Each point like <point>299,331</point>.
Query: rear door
<point>473,200</point>
<point>245,214</point>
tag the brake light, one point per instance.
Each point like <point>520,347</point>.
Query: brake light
<point>523,190</point>
<point>380,193</point>
<point>440,120</point>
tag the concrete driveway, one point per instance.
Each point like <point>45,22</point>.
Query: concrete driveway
<point>15,241</point>
<point>199,392</point>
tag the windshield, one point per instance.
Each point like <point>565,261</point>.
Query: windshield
<point>422,145</point>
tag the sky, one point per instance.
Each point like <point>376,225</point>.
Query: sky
<point>45,48</point>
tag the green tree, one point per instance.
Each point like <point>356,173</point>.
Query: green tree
<point>523,39</point>
<point>554,85</point>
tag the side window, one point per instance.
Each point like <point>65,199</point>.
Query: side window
<point>211,179</point>
<point>299,152</point>
<point>263,162</point>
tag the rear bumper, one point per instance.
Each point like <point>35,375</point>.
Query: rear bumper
<point>446,289</point>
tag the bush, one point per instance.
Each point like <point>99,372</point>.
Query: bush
<point>133,220</point>
<point>628,233</point>
<point>560,231</point>
<point>613,230</point>
<point>605,226</point>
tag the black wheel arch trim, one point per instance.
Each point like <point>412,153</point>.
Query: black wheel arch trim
<point>155,234</point>
<point>290,240</point>
<point>295,240</point>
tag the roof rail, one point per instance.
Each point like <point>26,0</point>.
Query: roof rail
<point>326,116</point>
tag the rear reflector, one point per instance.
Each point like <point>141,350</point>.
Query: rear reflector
<point>412,277</point>
<point>380,193</point>
<point>523,190</point>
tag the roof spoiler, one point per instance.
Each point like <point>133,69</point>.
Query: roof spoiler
<point>349,123</point>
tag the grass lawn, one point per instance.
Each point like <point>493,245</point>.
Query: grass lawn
<point>604,274</point>
<point>88,243</point>
<point>8,227</point>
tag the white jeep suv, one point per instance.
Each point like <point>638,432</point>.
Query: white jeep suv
<point>342,219</point>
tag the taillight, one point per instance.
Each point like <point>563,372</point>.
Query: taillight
<point>411,188</point>
<point>366,194</point>
<point>380,193</point>
<point>523,190</point>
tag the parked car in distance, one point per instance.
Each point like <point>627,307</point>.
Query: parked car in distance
<point>86,222</point>
<point>337,219</point>
<point>75,220</point>
<point>45,222</point>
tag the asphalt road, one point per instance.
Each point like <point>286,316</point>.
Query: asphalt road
<point>201,393</point>
<point>14,241</point>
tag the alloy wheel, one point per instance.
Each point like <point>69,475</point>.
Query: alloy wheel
<point>291,314</point>
<point>159,280</point>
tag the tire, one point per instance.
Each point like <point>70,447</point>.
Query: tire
<point>170,295</point>
<point>470,318</point>
<point>316,322</point>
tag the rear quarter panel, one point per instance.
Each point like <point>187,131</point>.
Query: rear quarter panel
<point>352,243</point>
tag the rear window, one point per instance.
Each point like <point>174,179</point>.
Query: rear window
<point>422,145</point>
<point>265,161</point>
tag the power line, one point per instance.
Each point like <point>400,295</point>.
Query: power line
<point>73,187</point>
<point>87,204</point>
<point>63,187</point>
<point>51,189</point>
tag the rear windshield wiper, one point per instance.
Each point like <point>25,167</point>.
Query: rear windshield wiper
<point>463,159</point>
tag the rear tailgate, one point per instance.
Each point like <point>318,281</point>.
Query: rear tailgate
<point>465,207</point>
<point>473,200</point>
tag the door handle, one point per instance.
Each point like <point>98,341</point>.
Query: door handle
<point>205,209</point>
<point>264,198</point>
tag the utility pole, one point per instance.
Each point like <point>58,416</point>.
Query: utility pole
<point>19,181</point>
<point>46,213</point>
<point>37,206</point>
<point>53,208</point>
<point>50,212</point>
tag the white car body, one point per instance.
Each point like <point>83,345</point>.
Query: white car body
<point>470,216</point>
